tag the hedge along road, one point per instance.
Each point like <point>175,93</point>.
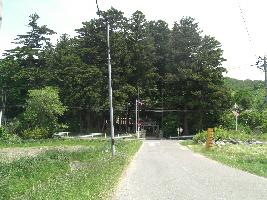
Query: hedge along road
<point>163,169</point>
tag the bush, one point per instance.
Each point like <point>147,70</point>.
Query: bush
<point>3,132</point>
<point>43,108</point>
<point>243,134</point>
<point>5,135</point>
<point>220,132</point>
<point>14,126</point>
<point>200,137</point>
<point>36,133</point>
<point>223,134</point>
<point>262,136</point>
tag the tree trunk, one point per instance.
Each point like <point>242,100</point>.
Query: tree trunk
<point>120,122</point>
<point>127,120</point>
<point>200,125</point>
<point>88,120</point>
<point>186,132</point>
<point>81,122</point>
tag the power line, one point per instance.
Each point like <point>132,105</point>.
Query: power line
<point>98,11</point>
<point>245,66</point>
<point>245,23</point>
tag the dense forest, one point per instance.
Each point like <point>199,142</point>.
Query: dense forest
<point>250,95</point>
<point>175,74</point>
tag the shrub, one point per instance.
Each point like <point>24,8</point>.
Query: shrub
<point>36,133</point>
<point>200,137</point>
<point>5,135</point>
<point>220,132</point>
<point>243,134</point>
<point>43,108</point>
<point>3,132</point>
<point>14,126</point>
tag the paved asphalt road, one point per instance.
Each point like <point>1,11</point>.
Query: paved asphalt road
<point>163,169</point>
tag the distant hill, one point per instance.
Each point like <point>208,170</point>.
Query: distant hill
<point>248,91</point>
<point>248,84</point>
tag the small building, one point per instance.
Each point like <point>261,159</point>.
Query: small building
<point>257,130</point>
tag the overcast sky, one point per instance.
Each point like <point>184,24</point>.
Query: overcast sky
<point>242,42</point>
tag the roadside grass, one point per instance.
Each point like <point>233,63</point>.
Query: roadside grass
<point>48,142</point>
<point>252,159</point>
<point>50,175</point>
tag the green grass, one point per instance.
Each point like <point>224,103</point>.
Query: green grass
<point>49,175</point>
<point>252,159</point>
<point>47,142</point>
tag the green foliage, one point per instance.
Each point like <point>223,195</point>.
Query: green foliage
<point>161,34</point>
<point>43,108</point>
<point>195,80</point>
<point>171,124</point>
<point>14,126</point>
<point>220,132</point>
<point>235,84</point>
<point>3,132</point>
<point>228,120</point>
<point>36,133</point>
<point>53,175</point>
<point>181,63</point>
<point>252,119</point>
<point>24,67</point>
<point>200,137</point>
<point>27,61</point>
<point>6,135</point>
<point>79,82</point>
<point>245,92</point>
<point>17,177</point>
<point>243,134</point>
<point>247,158</point>
<point>243,99</point>
<point>48,142</point>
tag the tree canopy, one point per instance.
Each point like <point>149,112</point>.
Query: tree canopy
<point>43,108</point>
<point>179,67</point>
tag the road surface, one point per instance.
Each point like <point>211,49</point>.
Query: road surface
<point>163,169</point>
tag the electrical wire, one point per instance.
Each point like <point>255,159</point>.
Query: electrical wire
<point>245,23</point>
<point>251,43</point>
<point>98,11</point>
<point>238,68</point>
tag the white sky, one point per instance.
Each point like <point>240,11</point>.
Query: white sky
<point>220,19</point>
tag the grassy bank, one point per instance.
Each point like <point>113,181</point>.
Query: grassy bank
<point>53,174</point>
<point>252,159</point>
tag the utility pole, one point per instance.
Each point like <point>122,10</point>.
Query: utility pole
<point>162,111</point>
<point>264,65</point>
<point>236,116</point>
<point>110,98</point>
<point>138,112</point>
<point>110,90</point>
<point>136,119</point>
<point>138,106</point>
